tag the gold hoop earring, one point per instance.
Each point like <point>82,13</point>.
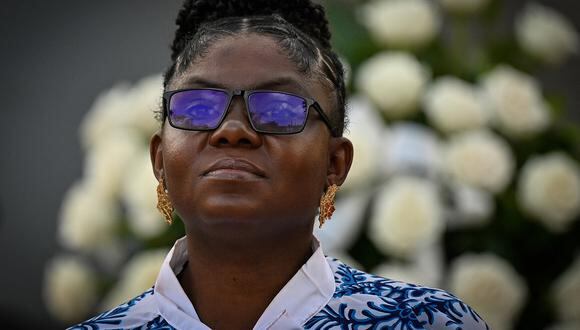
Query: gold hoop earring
<point>327,204</point>
<point>163,203</point>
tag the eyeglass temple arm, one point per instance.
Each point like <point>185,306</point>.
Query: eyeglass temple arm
<point>325,119</point>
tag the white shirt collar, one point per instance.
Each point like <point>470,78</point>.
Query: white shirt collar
<point>307,292</point>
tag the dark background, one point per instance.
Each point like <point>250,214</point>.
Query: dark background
<point>56,56</point>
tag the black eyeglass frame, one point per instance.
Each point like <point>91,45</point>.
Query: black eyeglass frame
<point>245,94</point>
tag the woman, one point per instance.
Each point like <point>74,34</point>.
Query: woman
<point>250,149</point>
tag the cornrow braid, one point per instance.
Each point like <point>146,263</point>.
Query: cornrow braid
<point>308,17</point>
<point>299,26</point>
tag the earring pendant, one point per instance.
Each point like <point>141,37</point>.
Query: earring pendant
<point>163,203</point>
<point>327,204</point>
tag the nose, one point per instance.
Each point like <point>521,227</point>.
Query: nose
<point>235,129</point>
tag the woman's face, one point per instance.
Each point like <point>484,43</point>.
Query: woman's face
<point>233,181</point>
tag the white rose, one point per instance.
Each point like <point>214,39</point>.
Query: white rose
<point>394,81</point>
<point>411,148</point>
<point>107,163</point>
<point>470,207</point>
<point>515,101</point>
<point>546,34</point>
<point>124,108</point>
<point>401,23</point>
<point>112,256</point>
<point>87,219</point>
<point>480,159</point>
<point>107,115</point>
<point>144,99</point>
<point>566,293</point>
<point>430,262</point>
<point>406,216</point>
<point>340,232</point>
<point>549,190</point>
<point>452,105</point>
<point>464,7</point>
<point>70,290</point>
<point>490,285</point>
<point>365,129</point>
<point>139,275</point>
<point>425,267</point>
<point>140,195</point>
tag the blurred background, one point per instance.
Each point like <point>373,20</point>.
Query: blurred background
<point>464,117</point>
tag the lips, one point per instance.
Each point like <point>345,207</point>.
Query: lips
<point>234,168</point>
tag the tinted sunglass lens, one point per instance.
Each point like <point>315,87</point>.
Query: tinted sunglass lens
<point>273,112</point>
<point>197,109</point>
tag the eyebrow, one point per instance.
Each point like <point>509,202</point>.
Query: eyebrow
<point>268,84</point>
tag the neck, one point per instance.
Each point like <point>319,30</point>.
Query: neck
<point>243,278</point>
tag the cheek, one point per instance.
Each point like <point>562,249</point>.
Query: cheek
<point>179,154</point>
<point>303,174</point>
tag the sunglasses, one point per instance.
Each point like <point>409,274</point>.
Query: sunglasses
<point>270,112</point>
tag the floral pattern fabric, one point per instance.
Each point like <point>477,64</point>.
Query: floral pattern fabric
<point>364,301</point>
<point>360,301</point>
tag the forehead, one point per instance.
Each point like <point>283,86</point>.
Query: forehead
<point>244,62</point>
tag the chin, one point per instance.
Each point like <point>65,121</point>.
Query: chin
<point>245,221</point>
<point>233,210</point>
<point>234,228</point>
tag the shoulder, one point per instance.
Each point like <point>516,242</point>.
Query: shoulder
<point>138,313</point>
<point>361,299</point>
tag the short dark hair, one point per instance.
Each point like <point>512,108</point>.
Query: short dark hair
<point>299,26</point>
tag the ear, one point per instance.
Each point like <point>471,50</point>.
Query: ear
<point>340,160</point>
<point>156,153</point>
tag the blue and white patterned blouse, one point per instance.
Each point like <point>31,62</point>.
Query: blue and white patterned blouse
<point>324,294</point>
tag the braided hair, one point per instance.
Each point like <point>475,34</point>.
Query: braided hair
<point>300,28</point>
